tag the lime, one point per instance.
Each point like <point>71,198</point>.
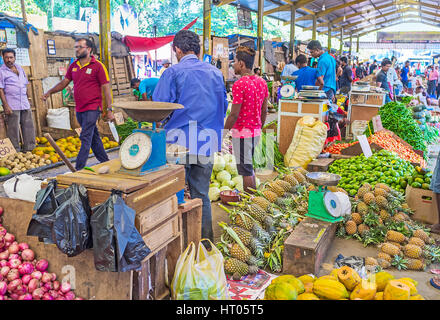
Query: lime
<point>4,171</point>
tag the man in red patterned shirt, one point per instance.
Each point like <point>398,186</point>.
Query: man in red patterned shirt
<point>248,114</point>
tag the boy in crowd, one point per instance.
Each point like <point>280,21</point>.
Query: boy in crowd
<point>307,76</point>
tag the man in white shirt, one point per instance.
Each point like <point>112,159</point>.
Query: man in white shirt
<point>289,69</point>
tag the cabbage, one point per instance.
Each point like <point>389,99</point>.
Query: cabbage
<point>239,187</point>
<point>238,180</point>
<point>257,182</point>
<point>229,158</point>
<point>215,184</point>
<point>219,163</point>
<point>214,194</point>
<point>231,168</point>
<point>230,184</point>
<point>223,176</point>
<point>224,188</point>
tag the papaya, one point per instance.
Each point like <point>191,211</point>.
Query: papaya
<point>307,296</point>
<point>334,273</point>
<point>396,290</point>
<point>381,279</point>
<point>410,284</point>
<point>307,278</point>
<point>295,282</point>
<point>378,296</point>
<point>328,277</point>
<point>348,277</point>
<point>416,297</point>
<point>280,291</point>
<point>410,280</point>
<point>330,289</point>
<point>365,290</point>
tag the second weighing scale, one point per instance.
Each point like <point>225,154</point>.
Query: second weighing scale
<point>144,151</point>
<point>287,91</point>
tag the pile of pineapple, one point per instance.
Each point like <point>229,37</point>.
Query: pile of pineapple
<point>261,222</point>
<point>382,217</point>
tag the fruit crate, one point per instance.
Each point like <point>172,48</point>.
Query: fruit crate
<point>424,203</point>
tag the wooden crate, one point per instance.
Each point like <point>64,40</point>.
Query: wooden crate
<point>356,149</point>
<point>305,249</point>
<point>191,212</point>
<point>320,165</point>
<point>151,217</point>
<point>90,283</point>
<point>163,233</point>
<point>375,99</point>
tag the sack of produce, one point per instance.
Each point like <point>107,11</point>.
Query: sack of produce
<point>58,118</point>
<point>307,143</point>
<point>117,245</point>
<point>200,277</point>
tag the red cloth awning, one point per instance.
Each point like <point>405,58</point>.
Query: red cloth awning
<point>142,44</point>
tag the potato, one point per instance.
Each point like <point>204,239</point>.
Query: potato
<point>48,162</point>
<point>15,170</point>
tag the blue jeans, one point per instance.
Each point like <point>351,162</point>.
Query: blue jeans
<point>198,178</point>
<point>89,138</point>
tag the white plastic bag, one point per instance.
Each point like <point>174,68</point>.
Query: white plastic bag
<point>58,118</point>
<point>23,187</point>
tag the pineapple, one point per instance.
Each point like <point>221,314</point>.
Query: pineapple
<point>284,184</point>
<point>342,190</point>
<point>416,264</point>
<point>412,251</point>
<point>356,217</point>
<point>369,198</point>
<point>299,176</point>
<point>398,245</point>
<point>384,215</point>
<point>302,170</point>
<point>383,186</point>
<point>419,233</point>
<point>362,191</point>
<point>381,202</point>
<point>350,227</point>
<point>244,221</point>
<point>235,266</point>
<point>367,185</point>
<point>257,212</point>
<point>276,188</point>
<point>390,249</point>
<point>238,253</point>
<point>370,261</point>
<point>362,208</point>
<point>380,192</point>
<point>416,241</point>
<point>290,178</point>
<point>398,217</point>
<point>311,188</point>
<point>384,263</point>
<point>395,236</point>
<point>262,202</point>
<point>362,228</point>
<point>270,195</point>
<point>384,256</point>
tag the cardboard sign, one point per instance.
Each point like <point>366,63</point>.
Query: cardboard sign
<point>119,118</point>
<point>6,148</point>
<point>365,145</point>
<point>377,123</point>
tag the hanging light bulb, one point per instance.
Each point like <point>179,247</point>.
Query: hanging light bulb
<point>344,18</point>
<point>323,6</point>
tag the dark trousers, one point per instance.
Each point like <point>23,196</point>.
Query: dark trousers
<point>431,87</point>
<point>198,177</point>
<point>89,138</point>
<point>21,119</point>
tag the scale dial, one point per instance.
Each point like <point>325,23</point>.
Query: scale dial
<point>287,91</point>
<point>135,150</point>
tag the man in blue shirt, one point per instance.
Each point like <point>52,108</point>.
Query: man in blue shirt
<point>307,76</point>
<point>404,75</point>
<point>326,69</point>
<point>199,87</point>
<point>145,87</point>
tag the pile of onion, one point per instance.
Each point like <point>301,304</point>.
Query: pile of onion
<point>22,277</point>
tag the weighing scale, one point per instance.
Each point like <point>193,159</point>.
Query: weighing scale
<point>326,205</point>
<point>287,90</point>
<point>144,151</point>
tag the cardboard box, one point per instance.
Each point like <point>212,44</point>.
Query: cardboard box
<point>424,203</point>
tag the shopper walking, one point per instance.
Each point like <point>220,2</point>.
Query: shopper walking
<point>433,76</point>
<point>199,87</point>
<point>382,78</point>
<point>90,78</point>
<point>347,76</point>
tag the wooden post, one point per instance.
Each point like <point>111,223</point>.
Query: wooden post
<point>23,12</point>
<point>292,30</point>
<point>260,32</point>
<point>105,40</point>
<point>341,48</point>
<point>329,41</point>
<point>357,44</point>
<point>207,27</point>
<point>314,27</point>
<point>351,44</point>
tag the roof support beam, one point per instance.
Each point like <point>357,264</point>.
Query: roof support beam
<point>286,7</point>
<point>260,32</point>
<point>292,29</point>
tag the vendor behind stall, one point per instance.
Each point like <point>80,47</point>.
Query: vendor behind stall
<point>347,76</point>
<point>307,76</point>
<point>382,78</point>
<point>289,69</point>
<point>145,87</point>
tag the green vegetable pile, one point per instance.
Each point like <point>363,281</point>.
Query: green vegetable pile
<point>263,157</point>
<point>126,129</point>
<point>382,167</point>
<point>398,118</point>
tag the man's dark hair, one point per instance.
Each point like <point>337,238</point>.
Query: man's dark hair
<point>134,81</point>
<point>247,55</point>
<point>256,69</point>
<point>89,43</point>
<point>8,50</point>
<point>301,59</point>
<point>385,62</point>
<point>187,41</point>
<point>344,59</point>
<point>314,45</point>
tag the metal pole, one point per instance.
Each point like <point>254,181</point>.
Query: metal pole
<point>341,48</point>
<point>105,38</point>
<point>292,30</point>
<point>351,44</point>
<point>260,32</point>
<point>329,41</point>
<point>314,27</point>
<point>23,12</point>
<point>155,51</point>
<point>207,27</point>
<point>357,45</point>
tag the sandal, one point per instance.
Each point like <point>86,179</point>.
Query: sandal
<point>435,271</point>
<point>435,282</point>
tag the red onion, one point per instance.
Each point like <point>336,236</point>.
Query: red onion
<point>27,255</point>
<point>38,293</point>
<point>60,298</point>
<point>21,290</point>
<point>26,268</point>
<point>69,295</point>
<point>13,285</point>
<point>3,263</point>
<point>13,274</point>
<point>48,286</point>
<point>14,263</point>
<point>13,248</point>
<point>3,287</point>
<point>23,246</point>
<point>9,237</point>
<point>1,210</point>
<point>2,243</point>
<point>47,296</point>
<point>26,278</point>
<point>4,255</point>
<point>42,265</point>
<point>13,256</point>
<point>65,287</point>
<point>79,298</point>
<point>26,296</point>
<point>4,271</point>
<point>33,284</point>
<point>36,275</point>
<point>54,276</point>
<point>54,293</point>
<point>14,296</point>
<point>3,232</point>
<point>44,289</point>
<point>47,277</point>
<point>56,285</point>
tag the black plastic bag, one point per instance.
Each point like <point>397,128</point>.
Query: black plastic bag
<point>117,245</point>
<point>71,228</point>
